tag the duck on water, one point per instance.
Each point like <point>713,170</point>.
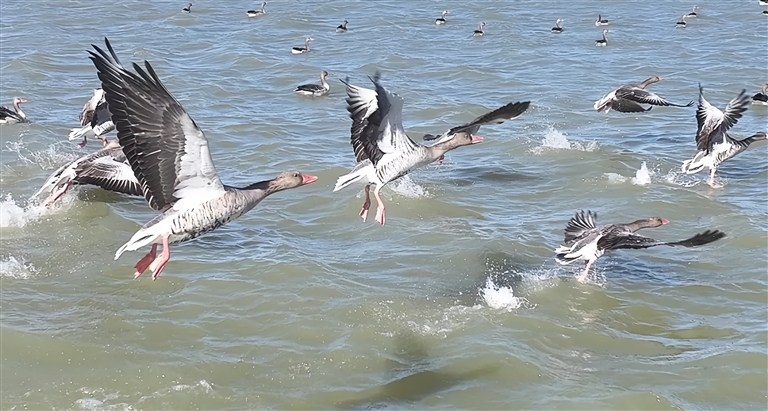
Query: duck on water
<point>315,89</point>
<point>13,117</point>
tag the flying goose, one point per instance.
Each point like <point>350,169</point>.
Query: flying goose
<point>627,98</point>
<point>12,117</point>
<point>107,168</point>
<point>713,144</point>
<point>382,150</point>
<point>314,89</point>
<point>584,240</point>
<point>95,120</point>
<point>257,13</point>
<point>170,158</point>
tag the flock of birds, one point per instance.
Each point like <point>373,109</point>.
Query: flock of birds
<point>162,155</point>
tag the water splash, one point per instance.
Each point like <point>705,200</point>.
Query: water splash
<point>12,214</point>
<point>408,188</point>
<point>642,176</point>
<point>554,139</point>
<point>499,297</point>
<point>16,268</point>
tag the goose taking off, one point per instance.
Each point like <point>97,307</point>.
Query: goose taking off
<point>170,158</point>
<point>305,49</point>
<point>382,150</point>
<point>693,13</point>
<point>479,32</point>
<point>681,24</point>
<point>95,120</point>
<point>714,145</point>
<point>603,41</point>
<point>314,89</point>
<point>627,98</point>
<point>584,240</point>
<point>342,27</point>
<point>12,117</point>
<point>508,112</point>
<point>441,20</point>
<point>107,168</point>
<point>187,9</point>
<point>557,28</point>
<point>761,98</point>
<point>257,13</point>
<point>601,22</point>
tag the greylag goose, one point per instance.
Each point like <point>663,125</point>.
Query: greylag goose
<point>305,49</point>
<point>383,151</point>
<point>713,144</point>
<point>341,28</point>
<point>584,240</point>
<point>12,117</point>
<point>479,32</point>
<point>681,24</point>
<point>693,13</point>
<point>314,89</point>
<point>601,21</point>
<point>187,9</point>
<point>107,168</point>
<point>170,158</point>
<point>603,41</point>
<point>761,98</point>
<point>95,120</point>
<point>627,98</point>
<point>498,116</point>
<point>441,20</point>
<point>257,13</point>
<point>557,28</point>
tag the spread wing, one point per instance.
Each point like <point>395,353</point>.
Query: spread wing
<point>713,123</point>
<point>580,224</point>
<point>167,152</point>
<point>498,116</point>
<point>643,96</point>
<point>627,106</point>
<point>110,174</point>
<point>631,240</point>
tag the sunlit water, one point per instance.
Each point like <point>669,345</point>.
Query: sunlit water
<point>457,303</point>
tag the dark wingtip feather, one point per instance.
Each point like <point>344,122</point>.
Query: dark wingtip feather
<point>701,239</point>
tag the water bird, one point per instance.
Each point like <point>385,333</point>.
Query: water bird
<point>713,144</point>
<point>441,20</point>
<point>627,98</point>
<point>257,13</point>
<point>507,112</point>
<point>765,12</point>
<point>584,240</point>
<point>382,150</point>
<point>479,32</point>
<point>557,28</point>
<point>342,27</point>
<point>170,157</point>
<point>681,24</point>
<point>95,120</point>
<point>764,2</point>
<point>16,116</point>
<point>601,21</point>
<point>604,41</point>
<point>761,98</point>
<point>693,13</point>
<point>187,9</point>
<point>315,89</point>
<point>107,168</point>
<point>305,49</point>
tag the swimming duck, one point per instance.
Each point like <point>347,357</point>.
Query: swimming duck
<point>314,89</point>
<point>257,13</point>
<point>479,32</point>
<point>305,49</point>
<point>557,28</point>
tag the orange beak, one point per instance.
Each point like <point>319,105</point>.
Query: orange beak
<point>306,179</point>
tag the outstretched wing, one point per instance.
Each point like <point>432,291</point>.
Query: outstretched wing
<point>363,109</point>
<point>109,174</point>
<point>713,123</point>
<point>167,152</point>
<point>631,240</point>
<point>580,224</point>
<point>643,96</point>
<point>498,116</point>
<point>627,106</point>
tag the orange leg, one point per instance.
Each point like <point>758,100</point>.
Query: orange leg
<point>57,193</point>
<point>380,216</point>
<point>157,266</point>
<point>366,204</point>
<point>83,143</point>
<point>144,263</point>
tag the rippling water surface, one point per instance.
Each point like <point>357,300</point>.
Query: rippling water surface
<point>457,303</point>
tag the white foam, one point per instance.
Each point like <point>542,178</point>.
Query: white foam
<point>47,159</point>
<point>500,298</point>
<point>642,176</point>
<point>407,188</point>
<point>16,268</point>
<point>554,139</point>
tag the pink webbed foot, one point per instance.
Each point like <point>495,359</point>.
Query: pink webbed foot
<point>103,141</point>
<point>366,204</point>
<point>440,160</point>
<point>57,193</point>
<point>381,218</point>
<point>83,143</point>
<point>159,263</point>
<point>145,262</point>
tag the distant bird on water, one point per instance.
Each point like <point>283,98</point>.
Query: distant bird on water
<point>16,116</point>
<point>604,41</point>
<point>187,9</point>
<point>342,27</point>
<point>557,28</point>
<point>601,21</point>
<point>441,20</point>
<point>479,32</point>
<point>585,240</point>
<point>681,24</point>
<point>305,49</point>
<point>257,13</point>
<point>761,98</point>
<point>627,98</point>
<point>314,89</point>
<point>693,13</point>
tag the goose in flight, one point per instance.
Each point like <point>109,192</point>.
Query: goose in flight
<point>628,98</point>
